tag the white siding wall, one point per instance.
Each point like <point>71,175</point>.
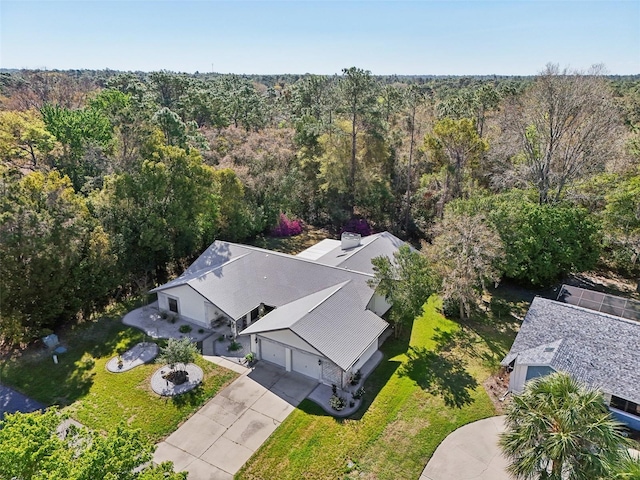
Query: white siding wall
<point>289,338</point>
<point>378,305</point>
<point>368,353</point>
<point>212,312</point>
<point>517,378</point>
<point>190,303</point>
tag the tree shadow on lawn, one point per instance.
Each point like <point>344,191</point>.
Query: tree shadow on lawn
<point>35,374</point>
<point>440,374</point>
<point>193,398</point>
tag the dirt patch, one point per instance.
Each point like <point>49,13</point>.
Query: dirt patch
<point>606,282</point>
<point>496,387</point>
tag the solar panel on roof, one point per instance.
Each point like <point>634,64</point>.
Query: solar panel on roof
<point>600,302</point>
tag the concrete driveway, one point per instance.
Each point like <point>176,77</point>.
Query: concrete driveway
<point>12,401</point>
<point>470,453</point>
<point>217,440</point>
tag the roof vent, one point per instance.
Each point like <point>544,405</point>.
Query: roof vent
<point>350,240</point>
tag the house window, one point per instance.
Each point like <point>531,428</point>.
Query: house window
<point>538,371</point>
<point>173,305</point>
<point>625,405</point>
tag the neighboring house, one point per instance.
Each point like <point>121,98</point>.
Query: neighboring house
<point>313,313</point>
<point>599,349</point>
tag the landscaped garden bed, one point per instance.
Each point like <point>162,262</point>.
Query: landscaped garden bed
<point>99,399</point>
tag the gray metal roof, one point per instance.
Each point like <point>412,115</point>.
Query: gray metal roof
<point>330,321</point>
<point>324,304</point>
<point>600,350</point>
<point>359,258</point>
<point>242,277</point>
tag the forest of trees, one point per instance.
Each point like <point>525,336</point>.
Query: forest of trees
<point>112,182</point>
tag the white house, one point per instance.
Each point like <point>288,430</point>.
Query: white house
<point>589,335</point>
<point>313,313</point>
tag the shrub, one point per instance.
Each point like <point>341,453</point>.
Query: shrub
<point>337,403</point>
<point>178,352</point>
<point>185,328</point>
<point>355,378</point>
<point>358,393</point>
<point>286,227</point>
<point>234,346</point>
<point>357,225</point>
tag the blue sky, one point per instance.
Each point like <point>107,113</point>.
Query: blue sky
<point>516,37</point>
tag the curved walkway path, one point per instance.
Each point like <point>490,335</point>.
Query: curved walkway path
<point>470,453</point>
<point>137,355</point>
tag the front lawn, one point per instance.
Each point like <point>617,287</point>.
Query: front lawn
<point>100,399</point>
<point>422,391</point>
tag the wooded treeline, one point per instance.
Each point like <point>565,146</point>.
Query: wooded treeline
<point>113,181</point>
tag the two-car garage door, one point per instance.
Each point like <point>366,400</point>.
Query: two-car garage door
<point>305,363</point>
<point>272,352</point>
<point>301,362</point>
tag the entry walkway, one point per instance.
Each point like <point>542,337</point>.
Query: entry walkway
<point>470,453</point>
<point>218,439</point>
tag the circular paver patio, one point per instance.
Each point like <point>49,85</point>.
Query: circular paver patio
<point>168,389</point>
<point>137,355</point>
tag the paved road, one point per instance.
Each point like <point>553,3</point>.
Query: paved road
<point>12,401</point>
<point>470,453</point>
<point>218,439</point>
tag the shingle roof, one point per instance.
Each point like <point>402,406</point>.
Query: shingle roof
<point>600,350</point>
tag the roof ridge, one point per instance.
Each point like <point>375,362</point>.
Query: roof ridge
<point>339,287</point>
<point>300,259</point>
<point>361,248</point>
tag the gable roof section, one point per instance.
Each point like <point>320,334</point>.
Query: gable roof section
<point>359,258</point>
<point>330,321</point>
<point>598,349</point>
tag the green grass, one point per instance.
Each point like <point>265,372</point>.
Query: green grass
<point>99,399</point>
<point>423,390</point>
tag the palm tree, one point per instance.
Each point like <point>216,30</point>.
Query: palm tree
<point>628,468</point>
<point>558,429</point>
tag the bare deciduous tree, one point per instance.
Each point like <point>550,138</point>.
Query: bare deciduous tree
<point>566,128</point>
